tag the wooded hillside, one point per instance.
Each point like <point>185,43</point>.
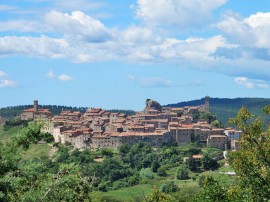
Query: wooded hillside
<point>225,108</point>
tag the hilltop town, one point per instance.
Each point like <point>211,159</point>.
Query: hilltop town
<point>156,125</point>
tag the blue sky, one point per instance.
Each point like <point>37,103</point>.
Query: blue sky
<point>116,54</point>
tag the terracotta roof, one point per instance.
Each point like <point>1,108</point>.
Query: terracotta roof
<point>197,156</point>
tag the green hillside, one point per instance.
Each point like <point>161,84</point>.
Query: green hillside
<point>225,108</point>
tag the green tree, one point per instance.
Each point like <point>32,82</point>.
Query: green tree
<point>212,191</point>
<point>157,196</point>
<point>154,166</point>
<point>217,124</point>
<point>182,172</point>
<point>252,161</point>
<point>209,163</point>
<point>162,171</point>
<point>169,187</point>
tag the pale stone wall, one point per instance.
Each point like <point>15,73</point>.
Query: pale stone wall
<point>217,141</point>
<point>27,115</point>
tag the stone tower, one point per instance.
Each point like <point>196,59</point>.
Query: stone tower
<point>35,106</point>
<point>207,104</point>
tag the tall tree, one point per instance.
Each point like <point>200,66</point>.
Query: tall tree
<point>252,161</point>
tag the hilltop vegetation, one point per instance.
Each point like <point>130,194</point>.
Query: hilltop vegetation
<point>225,108</point>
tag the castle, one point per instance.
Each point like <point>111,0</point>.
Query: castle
<point>155,125</point>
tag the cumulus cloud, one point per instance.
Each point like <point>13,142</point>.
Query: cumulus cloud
<point>24,26</point>
<point>2,74</point>
<point>253,31</point>
<point>251,83</point>
<point>77,26</point>
<point>33,46</point>
<point>64,77</point>
<point>82,38</point>
<point>7,83</point>
<point>183,13</point>
<point>155,82</point>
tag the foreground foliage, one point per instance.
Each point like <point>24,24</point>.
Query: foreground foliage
<point>251,164</point>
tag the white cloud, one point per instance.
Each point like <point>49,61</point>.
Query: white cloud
<point>33,46</point>
<point>23,26</point>
<point>7,83</point>
<point>64,77</point>
<point>253,31</point>
<point>77,26</point>
<point>251,83</point>
<point>183,13</point>
<point>2,74</point>
<point>155,82</point>
<point>81,38</point>
<point>51,74</point>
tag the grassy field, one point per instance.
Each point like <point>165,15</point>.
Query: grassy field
<point>36,151</point>
<point>125,194</point>
<point>6,135</point>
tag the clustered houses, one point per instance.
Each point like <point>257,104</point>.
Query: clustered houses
<point>98,128</point>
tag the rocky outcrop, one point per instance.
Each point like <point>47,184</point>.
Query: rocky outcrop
<point>152,104</point>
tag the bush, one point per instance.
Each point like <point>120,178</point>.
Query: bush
<point>119,184</point>
<point>162,171</point>
<point>47,137</point>
<point>209,163</point>
<point>169,187</point>
<point>201,180</point>
<point>182,172</point>
<point>146,173</point>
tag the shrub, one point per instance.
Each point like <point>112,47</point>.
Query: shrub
<point>182,172</point>
<point>146,173</point>
<point>162,171</point>
<point>169,187</point>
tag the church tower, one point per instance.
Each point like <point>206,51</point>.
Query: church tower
<point>207,104</point>
<point>35,106</point>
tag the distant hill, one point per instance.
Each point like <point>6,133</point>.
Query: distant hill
<point>11,112</point>
<point>225,108</point>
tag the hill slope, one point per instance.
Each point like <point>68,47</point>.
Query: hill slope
<point>225,108</point>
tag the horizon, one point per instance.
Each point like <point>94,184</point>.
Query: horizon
<point>115,55</point>
<point>136,110</point>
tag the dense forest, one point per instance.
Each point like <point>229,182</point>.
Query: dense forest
<point>225,108</point>
<point>13,111</point>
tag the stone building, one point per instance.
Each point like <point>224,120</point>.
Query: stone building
<point>217,141</point>
<point>35,113</point>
